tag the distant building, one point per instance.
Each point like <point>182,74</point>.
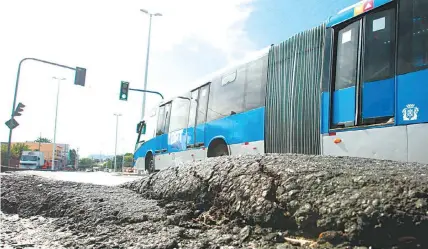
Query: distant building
<point>61,154</point>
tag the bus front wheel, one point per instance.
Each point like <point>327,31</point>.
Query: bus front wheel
<point>150,163</point>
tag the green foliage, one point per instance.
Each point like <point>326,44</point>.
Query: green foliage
<point>108,164</point>
<point>18,148</point>
<point>4,154</point>
<point>85,162</point>
<point>43,140</point>
<point>16,151</point>
<point>72,157</point>
<point>129,158</point>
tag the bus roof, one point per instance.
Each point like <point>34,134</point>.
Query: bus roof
<point>355,10</point>
<point>207,78</point>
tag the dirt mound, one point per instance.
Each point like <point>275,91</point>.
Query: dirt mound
<point>336,200</point>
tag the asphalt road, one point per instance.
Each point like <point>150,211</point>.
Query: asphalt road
<point>99,178</point>
<point>270,201</point>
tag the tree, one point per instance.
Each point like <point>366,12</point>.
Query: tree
<point>18,148</point>
<point>85,163</point>
<point>4,154</point>
<point>43,140</point>
<point>108,164</point>
<point>72,156</point>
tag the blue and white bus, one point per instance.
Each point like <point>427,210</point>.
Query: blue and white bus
<point>222,116</point>
<point>354,86</point>
<point>375,87</point>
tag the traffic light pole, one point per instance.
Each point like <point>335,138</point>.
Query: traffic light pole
<point>146,91</point>
<point>16,93</point>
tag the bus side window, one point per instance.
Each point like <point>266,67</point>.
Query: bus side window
<point>202,104</point>
<point>255,84</point>
<point>193,105</point>
<point>413,36</point>
<point>179,113</point>
<point>228,96</point>
<point>167,117</point>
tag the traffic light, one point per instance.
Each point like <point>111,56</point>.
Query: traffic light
<point>80,76</point>
<point>124,87</point>
<point>18,109</point>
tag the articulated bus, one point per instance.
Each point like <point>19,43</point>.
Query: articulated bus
<point>356,85</point>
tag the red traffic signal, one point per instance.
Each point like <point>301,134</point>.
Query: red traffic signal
<point>18,109</point>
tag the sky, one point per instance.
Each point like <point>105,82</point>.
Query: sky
<point>191,39</point>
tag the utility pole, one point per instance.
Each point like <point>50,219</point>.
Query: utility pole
<point>147,58</point>
<point>40,140</point>
<point>115,144</point>
<point>76,162</point>
<point>56,118</point>
<point>123,161</point>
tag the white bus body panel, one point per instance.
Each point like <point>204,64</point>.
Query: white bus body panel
<point>418,143</point>
<point>252,148</point>
<point>397,143</point>
<point>176,159</point>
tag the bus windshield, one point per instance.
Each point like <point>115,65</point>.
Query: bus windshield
<point>150,127</point>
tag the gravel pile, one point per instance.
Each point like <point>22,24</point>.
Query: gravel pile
<point>331,199</point>
<point>272,201</point>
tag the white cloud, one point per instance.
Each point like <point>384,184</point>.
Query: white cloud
<point>109,38</point>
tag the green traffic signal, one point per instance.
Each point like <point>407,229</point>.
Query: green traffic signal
<point>124,87</point>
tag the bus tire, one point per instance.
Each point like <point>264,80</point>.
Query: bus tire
<point>149,163</point>
<point>218,148</point>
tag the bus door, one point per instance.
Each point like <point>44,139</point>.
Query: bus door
<point>190,140</point>
<point>201,115</point>
<point>363,88</point>
<point>162,129</point>
<point>197,117</point>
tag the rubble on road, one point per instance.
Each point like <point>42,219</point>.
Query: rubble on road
<point>329,199</point>
<point>271,201</point>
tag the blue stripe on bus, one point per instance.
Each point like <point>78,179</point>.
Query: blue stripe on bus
<point>243,127</point>
<point>146,147</point>
<point>344,105</point>
<point>378,98</point>
<point>325,112</point>
<point>239,128</point>
<point>412,98</point>
<point>349,14</point>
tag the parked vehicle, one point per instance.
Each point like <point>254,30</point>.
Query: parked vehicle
<point>31,160</point>
<point>48,165</point>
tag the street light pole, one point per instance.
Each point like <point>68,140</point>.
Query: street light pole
<point>147,58</point>
<point>115,144</point>
<point>56,118</point>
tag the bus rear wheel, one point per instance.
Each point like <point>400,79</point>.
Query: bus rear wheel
<point>219,148</point>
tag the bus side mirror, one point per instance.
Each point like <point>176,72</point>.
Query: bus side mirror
<point>143,131</point>
<point>141,126</point>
